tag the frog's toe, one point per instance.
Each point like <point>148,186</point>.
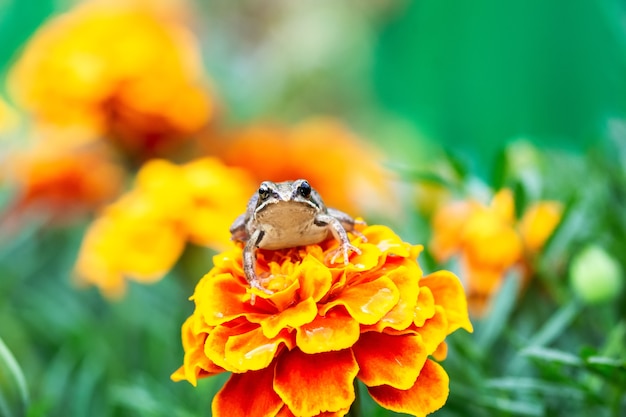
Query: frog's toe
<point>345,251</point>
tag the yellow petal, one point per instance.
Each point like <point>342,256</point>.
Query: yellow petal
<point>367,303</point>
<point>448,293</point>
<point>334,331</point>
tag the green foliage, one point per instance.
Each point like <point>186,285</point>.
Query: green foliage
<point>471,76</point>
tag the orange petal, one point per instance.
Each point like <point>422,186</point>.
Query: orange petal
<point>367,303</point>
<point>386,240</point>
<point>406,278</point>
<point>425,307</point>
<point>449,294</point>
<point>503,205</point>
<point>195,363</point>
<point>538,223</point>
<point>434,330</point>
<point>370,257</point>
<point>313,384</point>
<point>315,279</point>
<point>286,412</point>
<point>441,352</point>
<point>291,318</point>
<point>215,345</point>
<point>428,394</point>
<point>252,351</point>
<point>334,331</point>
<point>221,298</point>
<point>248,394</point>
<point>389,360</point>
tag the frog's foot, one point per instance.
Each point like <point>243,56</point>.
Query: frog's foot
<point>345,249</point>
<point>256,283</point>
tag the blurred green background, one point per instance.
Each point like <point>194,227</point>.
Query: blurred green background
<point>423,79</point>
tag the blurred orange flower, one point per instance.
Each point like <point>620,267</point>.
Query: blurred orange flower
<point>142,235</point>
<point>345,170</point>
<point>59,184</point>
<point>490,241</point>
<point>115,69</point>
<point>298,350</point>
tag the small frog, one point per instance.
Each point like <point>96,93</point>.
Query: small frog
<point>289,214</point>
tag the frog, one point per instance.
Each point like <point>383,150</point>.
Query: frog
<point>288,214</point>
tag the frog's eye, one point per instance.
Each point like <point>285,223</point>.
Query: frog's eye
<point>264,191</point>
<point>304,189</point>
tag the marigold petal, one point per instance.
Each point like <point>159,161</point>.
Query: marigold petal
<point>538,223</point>
<point>406,278</point>
<point>252,350</point>
<point>220,298</point>
<point>434,330</point>
<point>503,204</point>
<point>387,241</point>
<point>215,344</point>
<point>294,317</point>
<point>441,352</point>
<point>248,394</point>
<point>425,307</point>
<point>313,384</point>
<point>449,294</point>
<point>195,363</point>
<point>367,303</point>
<point>334,331</point>
<point>428,394</point>
<point>315,279</point>
<point>286,412</point>
<point>389,360</point>
<point>369,258</point>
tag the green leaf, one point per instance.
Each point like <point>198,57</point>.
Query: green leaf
<point>556,325</point>
<point>13,391</point>
<point>552,355</point>
<point>490,329</point>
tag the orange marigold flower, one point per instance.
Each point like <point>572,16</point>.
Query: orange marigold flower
<point>116,69</point>
<point>298,350</point>
<point>142,235</point>
<point>60,184</point>
<point>344,168</point>
<point>490,241</point>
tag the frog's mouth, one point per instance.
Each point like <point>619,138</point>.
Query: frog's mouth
<point>287,213</point>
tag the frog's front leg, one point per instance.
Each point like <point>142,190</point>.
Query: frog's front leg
<point>249,260</point>
<point>347,222</point>
<point>339,232</point>
<point>238,229</point>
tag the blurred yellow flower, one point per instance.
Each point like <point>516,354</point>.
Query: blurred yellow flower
<point>142,235</point>
<point>8,118</point>
<point>115,69</point>
<point>346,171</point>
<point>299,349</point>
<point>490,241</point>
<point>58,184</point>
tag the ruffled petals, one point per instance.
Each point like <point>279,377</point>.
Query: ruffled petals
<point>448,293</point>
<point>249,394</point>
<point>294,317</point>
<point>369,302</point>
<point>428,394</point>
<point>334,331</point>
<point>389,360</point>
<point>313,384</point>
